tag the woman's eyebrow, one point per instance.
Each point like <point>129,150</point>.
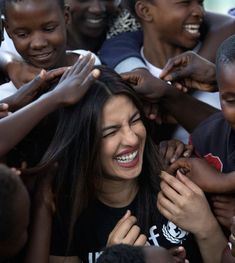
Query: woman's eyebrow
<point>110,127</point>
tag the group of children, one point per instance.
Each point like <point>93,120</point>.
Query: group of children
<point>92,179</point>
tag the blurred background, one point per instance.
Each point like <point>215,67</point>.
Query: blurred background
<point>220,6</point>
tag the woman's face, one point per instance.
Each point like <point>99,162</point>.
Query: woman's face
<point>123,139</point>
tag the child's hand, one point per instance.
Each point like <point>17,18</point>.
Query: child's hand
<point>201,173</point>
<point>172,150</point>
<point>76,81</point>
<point>224,208</point>
<point>20,72</point>
<point>4,110</point>
<point>151,88</point>
<point>190,71</point>
<point>38,85</point>
<point>126,232</point>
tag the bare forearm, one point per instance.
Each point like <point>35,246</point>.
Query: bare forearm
<point>212,243</point>
<point>188,111</point>
<point>15,127</point>
<point>38,250</point>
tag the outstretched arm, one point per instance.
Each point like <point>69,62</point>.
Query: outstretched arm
<point>180,105</point>
<point>72,86</point>
<point>18,71</point>
<point>218,28</point>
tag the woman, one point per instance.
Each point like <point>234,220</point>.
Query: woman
<point>109,177</point>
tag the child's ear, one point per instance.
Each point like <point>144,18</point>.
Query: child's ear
<point>143,11</point>
<point>5,25</point>
<point>67,14</point>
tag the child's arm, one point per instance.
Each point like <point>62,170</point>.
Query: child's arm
<point>184,203</point>
<point>218,28</point>
<point>189,70</point>
<point>31,90</point>
<point>205,175</point>
<point>178,104</point>
<point>73,85</point>
<point>18,71</point>
<point>43,207</point>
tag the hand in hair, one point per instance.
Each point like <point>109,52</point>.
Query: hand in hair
<point>126,232</point>
<point>76,81</point>
<point>190,71</point>
<point>151,88</point>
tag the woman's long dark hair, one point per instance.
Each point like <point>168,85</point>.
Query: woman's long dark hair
<point>76,146</point>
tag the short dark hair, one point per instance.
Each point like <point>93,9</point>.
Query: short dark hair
<point>225,53</point>
<point>122,254</point>
<point>130,5</point>
<point>5,2</point>
<point>10,186</point>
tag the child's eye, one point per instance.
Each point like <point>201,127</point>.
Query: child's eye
<point>22,34</point>
<point>49,28</point>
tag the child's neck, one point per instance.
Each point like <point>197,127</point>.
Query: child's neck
<point>118,193</point>
<point>158,52</point>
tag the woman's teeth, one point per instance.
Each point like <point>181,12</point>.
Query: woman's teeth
<point>127,157</point>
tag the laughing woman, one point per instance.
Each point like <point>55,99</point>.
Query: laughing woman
<point>108,183</point>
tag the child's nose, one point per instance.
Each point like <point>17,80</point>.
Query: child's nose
<point>198,10</point>
<point>97,6</point>
<point>38,41</point>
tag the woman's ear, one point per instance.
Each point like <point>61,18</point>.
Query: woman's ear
<point>143,11</point>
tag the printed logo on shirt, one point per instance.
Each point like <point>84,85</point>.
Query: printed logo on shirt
<point>173,233</point>
<point>170,231</point>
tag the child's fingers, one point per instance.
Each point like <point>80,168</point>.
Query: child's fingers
<point>4,106</point>
<point>92,76</point>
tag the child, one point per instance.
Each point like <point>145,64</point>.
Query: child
<point>180,30</point>
<point>89,23</point>
<point>38,31</point>
<point>109,165</point>
<point>14,215</point>
<point>126,253</point>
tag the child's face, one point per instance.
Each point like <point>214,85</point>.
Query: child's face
<point>90,17</point>
<point>177,22</point>
<point>38,30</point>
<point>226,82</point>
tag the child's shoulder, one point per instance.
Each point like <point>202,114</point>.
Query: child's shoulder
<point>84,53</point>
